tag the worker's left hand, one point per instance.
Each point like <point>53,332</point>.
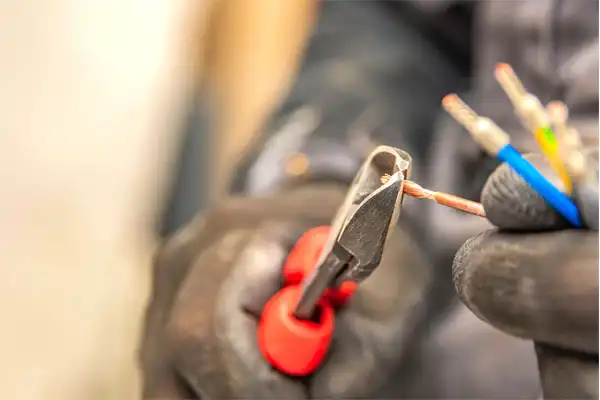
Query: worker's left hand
<point>535,278</point>
<point>213,278</point>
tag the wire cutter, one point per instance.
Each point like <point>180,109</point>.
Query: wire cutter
<point>327,263</point>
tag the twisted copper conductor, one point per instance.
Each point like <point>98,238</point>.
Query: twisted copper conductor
<point>385,179</point>
<point>446,199</point>
<point>415,190</point>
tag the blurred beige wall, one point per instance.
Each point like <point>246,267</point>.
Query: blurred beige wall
<point>90,95</point>
<point>254,51</point>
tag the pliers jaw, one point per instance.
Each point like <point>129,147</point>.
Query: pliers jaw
<point>361,227</point>
<point>376,202</point>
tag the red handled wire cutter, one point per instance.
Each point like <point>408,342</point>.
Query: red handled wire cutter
<point>324,267</point>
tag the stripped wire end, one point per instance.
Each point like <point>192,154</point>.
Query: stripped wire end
<point>558,114</point>
<point>483,130</point>
<point>417,191</point>
<point>510,83</point>
<point>532,114</point>
<point>385,179</point>
<point>569,141</point>
<point>527,106</point>
<point>460,111</point>
<point>576,165</point>
<point>535,118</point>
<point>568,137</point>
<point>497,143</point>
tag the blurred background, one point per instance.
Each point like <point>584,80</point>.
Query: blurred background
<point>99,104</point>
<point>120,120</point>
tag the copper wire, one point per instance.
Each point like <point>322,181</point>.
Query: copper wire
<point>415,190</point>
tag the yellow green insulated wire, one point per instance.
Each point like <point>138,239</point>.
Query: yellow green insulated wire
<point>534,117</point>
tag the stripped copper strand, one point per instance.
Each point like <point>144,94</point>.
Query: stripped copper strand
<point>415,190</point>
<point>385,179</point>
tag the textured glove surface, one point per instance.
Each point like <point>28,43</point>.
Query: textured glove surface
<point>535,278</point>
<point>213,278</point>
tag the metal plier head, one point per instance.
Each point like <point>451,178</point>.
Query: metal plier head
<point>362,225</point>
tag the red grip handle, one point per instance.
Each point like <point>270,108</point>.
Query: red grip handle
<point>303,258</point>
<point>295,347</point>
<point>305,254</point>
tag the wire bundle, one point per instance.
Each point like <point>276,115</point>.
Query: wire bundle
<point>560,144</point>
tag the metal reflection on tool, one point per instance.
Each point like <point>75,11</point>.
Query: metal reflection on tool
<point>361,227</point>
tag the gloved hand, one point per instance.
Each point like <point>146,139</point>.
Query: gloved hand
<point>534,279</point>
<point>213,278</point>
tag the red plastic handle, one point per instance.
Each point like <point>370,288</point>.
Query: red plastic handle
<point>295,347</point>
<point>305,254</point>
<point>303,258</point>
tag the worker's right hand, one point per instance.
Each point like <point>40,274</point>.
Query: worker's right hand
<point>213,278</point>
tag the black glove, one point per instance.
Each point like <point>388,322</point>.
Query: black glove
<point>534,278</point>
<point>213,278</point>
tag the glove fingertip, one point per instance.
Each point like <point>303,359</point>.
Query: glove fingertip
<point>510,203</point>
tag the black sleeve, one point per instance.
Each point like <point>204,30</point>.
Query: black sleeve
<point>371,75</point>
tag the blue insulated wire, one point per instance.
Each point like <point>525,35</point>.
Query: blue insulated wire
<point>557,199</point>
